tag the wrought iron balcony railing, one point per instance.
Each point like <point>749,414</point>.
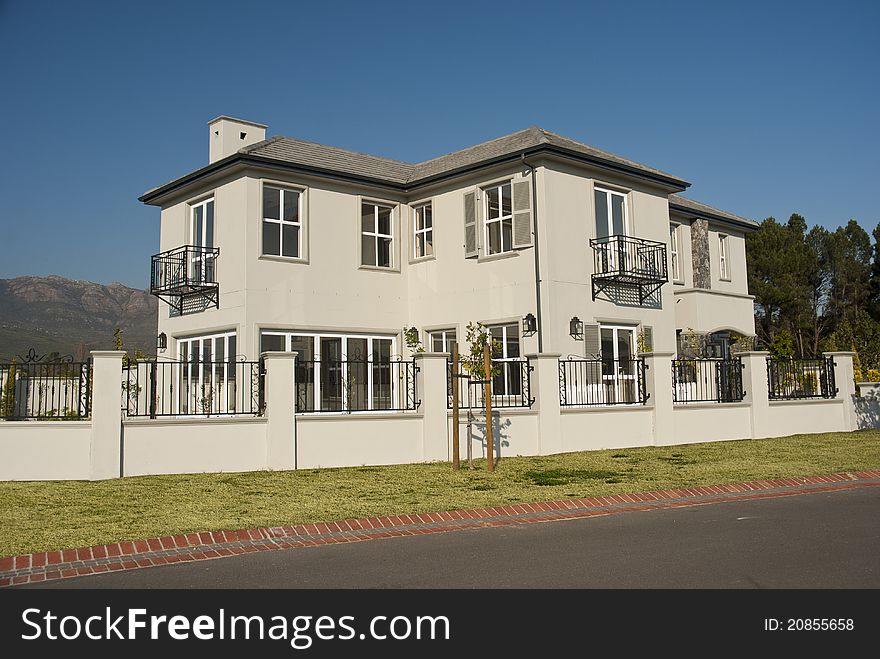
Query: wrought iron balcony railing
<point>630,261</point>
<point>185,272</point>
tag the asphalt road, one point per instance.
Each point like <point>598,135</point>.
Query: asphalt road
<point>825,540</point>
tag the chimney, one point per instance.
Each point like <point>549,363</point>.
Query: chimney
<point>227,135</point>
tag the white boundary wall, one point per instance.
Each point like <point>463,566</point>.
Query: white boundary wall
<point>109,446</point>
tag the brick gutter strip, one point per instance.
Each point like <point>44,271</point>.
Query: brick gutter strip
<point>166,550</point>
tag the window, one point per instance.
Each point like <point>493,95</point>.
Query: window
<point>282,223</point>
<point>338,372</point>
<point>499,219</point>
<point>722,257</point>
<point>508,381</point>
<point>611,213</point>
<point>423,231</point>
<point>376,235</point>
<point>674,230</point>
<point>206,377</point>
<point>441,340</point>
<point>619,375</point>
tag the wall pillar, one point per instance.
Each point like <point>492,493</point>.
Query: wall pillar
<point>105,456</point>
<point>755,386</point>
<point>431,389</point>
<point>844,380</point>
<point>545,391</point>
<point>280,397</point>
<point>658,385</point>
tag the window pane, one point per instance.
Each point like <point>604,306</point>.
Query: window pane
<point>385,220</point>
<point>506,205</point>
<point>271,238</point>
<point>219,349</point>
<point>271,203</point>
<point>368,218</point>
<point>494,230</point>
<point>420,245</point>
<point>437,342</point>
<point>381,350</point>
<point>617,215</point>
<point>209,224</point>
<point>356,349</point>
<point>384,255</point>
<point>291,206</point>
<point>304,346</point>
<point>197,224</point>
<point>601,214</point>
<point>289,240</point>
<point>232,347</point>
<point>512,341</point>
<point>420,218</point>
<point>368,250</point>
<point>506,235</point>
<point>429,242</point>
<point>492,203</point>
<point>272,342</point>
<point>429,216</point>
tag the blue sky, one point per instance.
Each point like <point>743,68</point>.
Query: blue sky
<point>767,108</point>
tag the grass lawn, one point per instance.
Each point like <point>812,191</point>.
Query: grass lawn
<point>46,515</point>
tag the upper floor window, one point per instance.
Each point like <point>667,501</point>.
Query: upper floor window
<point>441,340</point>
<point>203,223</point>
<point>282,223</point>
<point>723,265</point>
<point>423,231</point>
<point>675,260</point>
<point>499,218</point>
<point>611,213</point>
<point>376,235</point>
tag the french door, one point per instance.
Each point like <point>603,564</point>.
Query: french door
<point>201,261</point>
<point>618,365</point>
<point>611,221</point>
<point>207,375</point>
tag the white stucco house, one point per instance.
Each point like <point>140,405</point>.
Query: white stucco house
<point>556,246</point>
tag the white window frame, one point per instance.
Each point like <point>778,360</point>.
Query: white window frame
<point>675,252</point>
<point>447,337</point>
<point>194,372</point>
<point>609,219</point>
<point>201,262</point>
<point>281,222</point>
<point>619,377</point>
<point>316,351</point>
<point>424,232</point>
<point>500,220</point>
<point>504,358</point>
<point>723,256</point>
<point>376,234</point>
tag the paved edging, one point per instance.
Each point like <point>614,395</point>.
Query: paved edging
<point>130,555</point>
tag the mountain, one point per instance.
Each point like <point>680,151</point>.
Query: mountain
<point>54,314</point>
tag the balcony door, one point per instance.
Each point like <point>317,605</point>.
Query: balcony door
<point>618,366</point>
<point>202,261</point>
<point>611,221</point>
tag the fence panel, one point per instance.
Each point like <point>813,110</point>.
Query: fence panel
<point>192,388</point>
<point>707,380</point>
<point>511,385</point>
<point>792,379</point>
<point>356,385</point>
<point>52,389</point>
<point>584,382</point>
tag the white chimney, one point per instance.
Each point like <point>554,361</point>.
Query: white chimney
<point>227,135</point>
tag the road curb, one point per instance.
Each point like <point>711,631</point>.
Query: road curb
<point>167,550</point>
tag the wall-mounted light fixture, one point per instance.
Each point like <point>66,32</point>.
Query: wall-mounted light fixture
<point>162,341</point>
<point>529,325</point>
<point>576,329</point>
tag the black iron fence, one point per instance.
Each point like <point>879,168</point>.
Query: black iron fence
<point>707,380</point>
<point>192,388</point>
<point>511,385</point>
<point>584,382</point>
<point>49,389</point>
<point>356,385</point>
<point>791,379</point>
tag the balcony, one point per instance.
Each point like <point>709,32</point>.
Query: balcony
<point>185,274</point>
<point>634,263</point>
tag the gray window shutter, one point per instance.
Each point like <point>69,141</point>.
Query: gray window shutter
<point>471,249</point>
<point>592,346</point>
<point>522,213</point>
<point>648,335</point>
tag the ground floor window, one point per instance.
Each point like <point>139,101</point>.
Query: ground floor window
<point>207,374</point>
<point>441,340</point>
<point>508,380</point>
<point>619,369</point>
<point>339,372</point>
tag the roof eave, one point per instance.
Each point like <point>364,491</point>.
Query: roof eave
<point>715,217</point>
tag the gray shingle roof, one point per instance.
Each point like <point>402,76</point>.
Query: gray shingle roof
<point>299,152</point>
<point>689,206</point>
